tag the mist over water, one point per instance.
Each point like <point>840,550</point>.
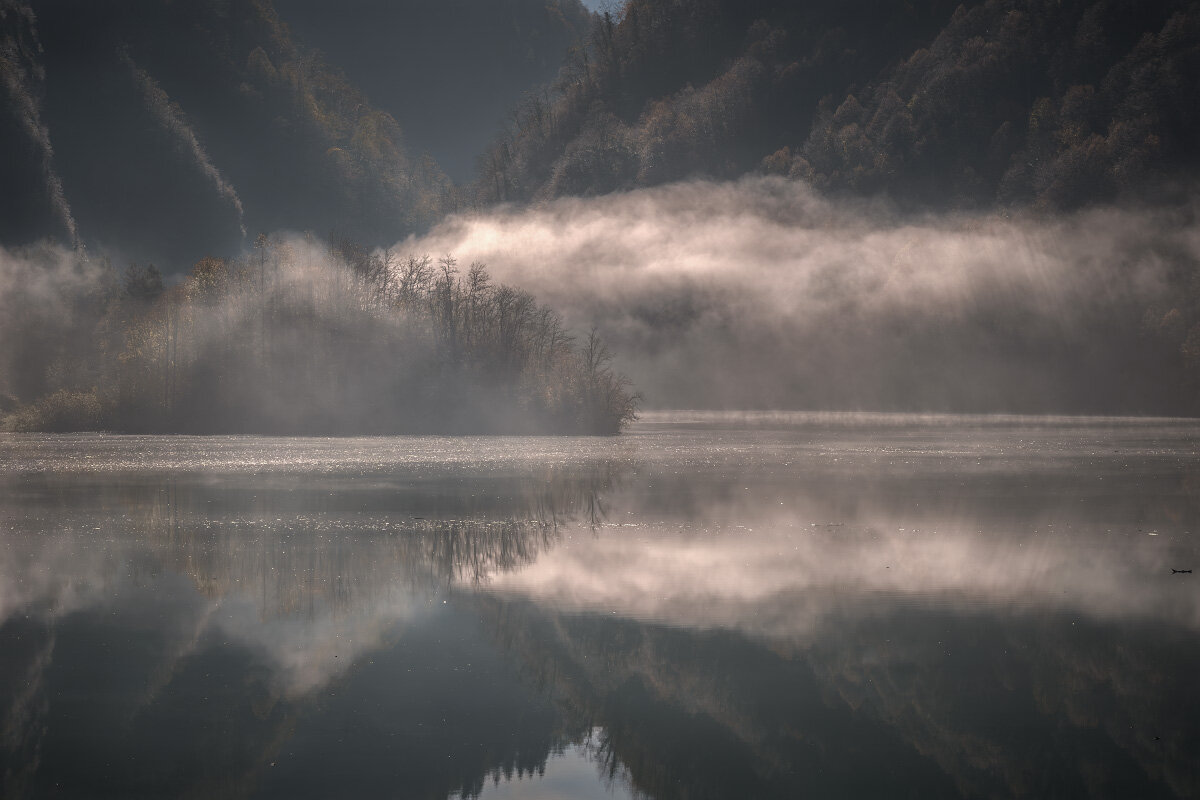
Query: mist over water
<point>297,338</point>
<point>45,315</point>
<point>760,293</point>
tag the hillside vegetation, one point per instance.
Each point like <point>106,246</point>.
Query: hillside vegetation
<point>1012,102</point>
<point>164,131</point>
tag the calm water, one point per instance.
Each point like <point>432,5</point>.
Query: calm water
<point>760,605</point>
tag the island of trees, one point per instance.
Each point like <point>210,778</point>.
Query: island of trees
<point>301,338</point>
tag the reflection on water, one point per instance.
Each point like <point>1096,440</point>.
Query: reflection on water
<point>570,773</point>
<point>757,605</point>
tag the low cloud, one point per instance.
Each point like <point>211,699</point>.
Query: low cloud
<point>761,293</point>
<point>48,313</point>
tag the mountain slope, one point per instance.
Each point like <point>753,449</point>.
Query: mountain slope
<point>1025,101</point>
<point>178,130</point>
<point>1009,101</point>
<point>32,203</point>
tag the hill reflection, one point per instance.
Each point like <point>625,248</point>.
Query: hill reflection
<point>294,544</point>
<point>860,613</point>
<point>939,702</point>
<point>208,631</point>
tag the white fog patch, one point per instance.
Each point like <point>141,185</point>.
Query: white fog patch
<point>760,292</point>
<point>46,312</point>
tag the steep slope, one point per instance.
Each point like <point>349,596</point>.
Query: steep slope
<point>1010,101</point>
<point>32,205</point>
<point>1025,101</point>
<point>668,90</point>
<point>180,129</point>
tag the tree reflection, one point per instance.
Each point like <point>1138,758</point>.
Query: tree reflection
<point>943,703</point>
<point>293,546</point>
<point>205,633</point>
<point>836,628</point>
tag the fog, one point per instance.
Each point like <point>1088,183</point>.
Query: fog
<point>760,293</point>
<point>46,318</point>
<point>297,338</point>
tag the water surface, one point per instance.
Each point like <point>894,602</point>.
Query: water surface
<point>712,605</point>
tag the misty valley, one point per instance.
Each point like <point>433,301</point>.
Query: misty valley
<point>567,399</point>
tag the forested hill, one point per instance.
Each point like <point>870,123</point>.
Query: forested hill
<point>1056,103</point>
<point>165,131</point>
<point>160,131</point>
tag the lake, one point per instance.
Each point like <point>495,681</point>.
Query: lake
<point>711,605</point>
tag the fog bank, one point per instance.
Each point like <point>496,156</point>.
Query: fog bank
<point>760,293</point>
<point>752,294</point>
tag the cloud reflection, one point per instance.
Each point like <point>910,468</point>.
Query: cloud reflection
<point>1029,516</point>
